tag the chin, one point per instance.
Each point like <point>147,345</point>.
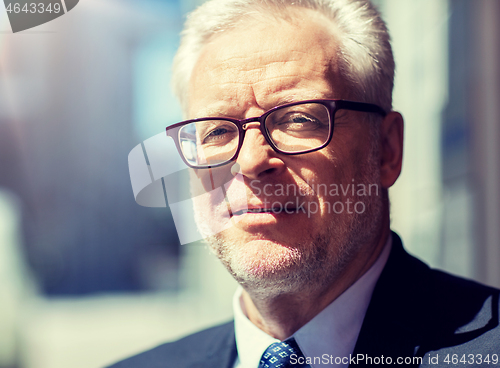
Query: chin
<point>267,272</point>
<point>269,268</point>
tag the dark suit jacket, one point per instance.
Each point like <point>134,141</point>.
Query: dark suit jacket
<point>414,312</point>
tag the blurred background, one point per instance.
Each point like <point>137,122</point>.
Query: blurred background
<point>88,277</point>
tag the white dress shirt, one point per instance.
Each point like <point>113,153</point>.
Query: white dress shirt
<point>328,337</point>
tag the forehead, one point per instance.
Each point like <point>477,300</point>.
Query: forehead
<point>266,61</point>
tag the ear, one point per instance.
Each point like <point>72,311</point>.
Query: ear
<point>391,149</point>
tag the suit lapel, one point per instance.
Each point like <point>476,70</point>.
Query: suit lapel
<point>415,310</point>
<point>222,351</point>
<point>395,323</point>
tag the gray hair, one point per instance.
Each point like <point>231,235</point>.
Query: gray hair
<point>366,60</point>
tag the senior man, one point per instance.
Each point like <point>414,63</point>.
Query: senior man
<point>294,98</point>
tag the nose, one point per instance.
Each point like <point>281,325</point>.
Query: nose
<point>256,158</point>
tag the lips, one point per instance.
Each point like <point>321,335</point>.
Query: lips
<point>258,210</point>
<point>273,210</point>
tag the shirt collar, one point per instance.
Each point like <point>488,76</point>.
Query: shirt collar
<point>333,331</point>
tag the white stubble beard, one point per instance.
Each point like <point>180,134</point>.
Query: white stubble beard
<point>309,265</point>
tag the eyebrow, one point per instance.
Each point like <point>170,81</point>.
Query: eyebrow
<point>219,110</point>
<point>294,98</point>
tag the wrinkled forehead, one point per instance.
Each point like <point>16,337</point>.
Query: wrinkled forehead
<point>267,53</point>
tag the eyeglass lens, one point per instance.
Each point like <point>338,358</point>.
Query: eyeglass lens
<point>297,128</point>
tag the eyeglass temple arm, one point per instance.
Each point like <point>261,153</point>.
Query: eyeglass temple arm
<point>360,106</point>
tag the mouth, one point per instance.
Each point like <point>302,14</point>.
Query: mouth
<point>274,210</point>
<point>257,210</point>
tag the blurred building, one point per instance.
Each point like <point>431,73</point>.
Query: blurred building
<point>70,101</point>
<point>446,203</point>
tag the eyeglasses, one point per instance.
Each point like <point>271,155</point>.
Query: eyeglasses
<point>290,129</point>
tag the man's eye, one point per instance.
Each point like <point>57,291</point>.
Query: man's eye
<point>298,122</point>
<point>219,134</point>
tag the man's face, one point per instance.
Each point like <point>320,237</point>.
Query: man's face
<point>243,73</point>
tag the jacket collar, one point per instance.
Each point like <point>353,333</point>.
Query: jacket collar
<point>389,327</point>
<point>222,351</point>
<point>415,310</point>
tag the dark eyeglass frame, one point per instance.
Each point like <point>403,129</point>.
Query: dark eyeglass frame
<point>332,106</point>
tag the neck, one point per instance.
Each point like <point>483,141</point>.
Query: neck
<point>281,316</point>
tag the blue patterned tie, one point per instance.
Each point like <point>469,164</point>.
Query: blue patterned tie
<point>285,354</point>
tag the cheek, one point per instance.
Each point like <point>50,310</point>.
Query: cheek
<point>331,175</point>
<point>211,212</point>
<point>348,156</point>
<point>209,205</point>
